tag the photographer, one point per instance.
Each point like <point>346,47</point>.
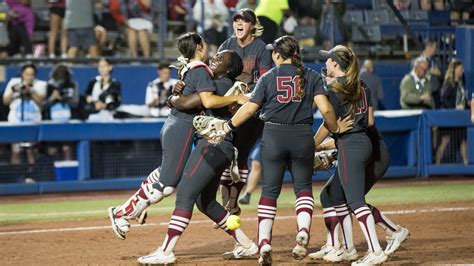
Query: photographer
<point>158,91</point>
<point>61,105</point>
<point>103,94</point>
<point>63,96</point>
<point>24,95</point>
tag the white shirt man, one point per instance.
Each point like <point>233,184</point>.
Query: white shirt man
<point>23,106</point>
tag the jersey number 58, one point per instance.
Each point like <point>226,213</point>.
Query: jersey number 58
<point>289,87</point>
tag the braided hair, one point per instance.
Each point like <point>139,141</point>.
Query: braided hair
<point>288,47</point>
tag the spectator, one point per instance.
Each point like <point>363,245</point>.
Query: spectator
<point>60,105</point>
<point>103,94</point>
<point>4,40</point>
<point>460,10</point>
<point>57,10</point>
<point>115,10</point>
<point>373,82</point>
<point>158,91</point>
<point>270,13</point>
<point>453,93</point>
<point>252,4</point>
<point>308,11</point>
<point>24,95</point>
<point>177,11</point>
<point>402,5</point>
<point>21,25</point>
<point>214,23</point>
<point>453,96</point>
<point>101,37</point>
<point>434,74</point>
<point>79,23</point>
<point>104,21</point>
<point>415,91</point>
<point>139,16</point>
<point>62,96</point>
<point>230,4</point>
<point>429,5</point>
<point>341,34</point>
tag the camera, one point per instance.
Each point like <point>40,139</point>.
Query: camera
<point>66,92</point>
<point>23,89</point>
<point>108,98</point>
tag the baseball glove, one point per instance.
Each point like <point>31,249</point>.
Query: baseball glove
<point>210,128</point>
<point>324,160</point>
<point>237,89</point>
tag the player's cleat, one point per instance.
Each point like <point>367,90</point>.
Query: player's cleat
<point>118,224</point>
<point>142,218</point>
<point>372,258</point>
<point>394,241</point>
<point>326,249</point>
<point>241,252</point>
<point>265,255</point>
<point>158,257</point>
<point>341,255</point>
<point>245,200</point>
<point>300,250</point>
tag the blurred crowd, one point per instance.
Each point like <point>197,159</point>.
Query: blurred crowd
<point>428,87</point>
<point>97,27</point>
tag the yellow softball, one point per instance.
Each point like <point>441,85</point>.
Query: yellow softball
<point>233,222</point>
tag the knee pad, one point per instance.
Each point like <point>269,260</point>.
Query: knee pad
<point>156,192</point>
<point>168,191</point>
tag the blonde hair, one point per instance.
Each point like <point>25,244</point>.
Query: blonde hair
<point>351,89</point>
<point>449,77</point>
<point>257,30</point>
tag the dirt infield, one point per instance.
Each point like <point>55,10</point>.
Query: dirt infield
<point>437,236</point>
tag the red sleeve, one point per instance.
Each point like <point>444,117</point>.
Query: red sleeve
<point>231,3</point>
<point>263,71</point>
<point>114,6</point>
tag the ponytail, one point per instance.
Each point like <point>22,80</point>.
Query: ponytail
<point>288,47</point>
<point>257,30</point>
<point>350,89</point>
<point>300,72</point>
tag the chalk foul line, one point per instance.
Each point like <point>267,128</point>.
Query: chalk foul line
<point>89,228</point>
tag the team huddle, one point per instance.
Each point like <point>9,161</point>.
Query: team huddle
<point>211,109</point>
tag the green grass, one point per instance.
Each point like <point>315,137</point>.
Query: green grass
<point>13,213</point>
